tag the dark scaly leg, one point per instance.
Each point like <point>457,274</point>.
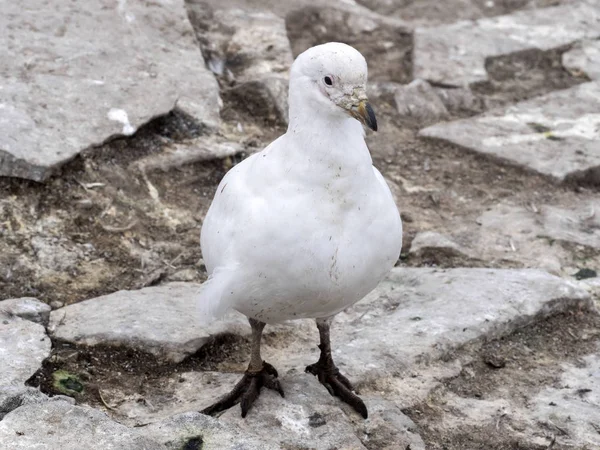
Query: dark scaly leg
<point>258,374</point>
<point>329,375</point>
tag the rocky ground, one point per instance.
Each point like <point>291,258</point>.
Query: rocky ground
<point>117,122</point>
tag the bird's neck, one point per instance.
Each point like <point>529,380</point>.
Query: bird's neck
<point>327,140</point>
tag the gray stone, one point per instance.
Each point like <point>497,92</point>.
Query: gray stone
<point>205,148</point>
<point>160,320</point>
<point>460,100</point>
<point>431,240</point>
<point>308,417</point>
<point>87,73</point>
<point>250,53</point>
<point>23,347</point>
<point>26,308</point>
<point>414,318</point>
<point>571,408</point>
<point>455,54</point>
<point>53,425</point>
<point>584,58</point>
<point>266,98</point>
<point>418,101</point>
<point>12,397</point>
<point>177,431</point>
<point>557,134</point>
<point>304,399</point>
<point>424,309</point>
<point>385,42</point>
<point>578,225</point>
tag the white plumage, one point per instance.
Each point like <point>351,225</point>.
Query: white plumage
<point>306,227</point>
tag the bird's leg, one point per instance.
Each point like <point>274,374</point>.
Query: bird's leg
<point>259,373</point>
<point>329,375</point>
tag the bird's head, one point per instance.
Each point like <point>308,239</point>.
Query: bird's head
<point>332,79</point>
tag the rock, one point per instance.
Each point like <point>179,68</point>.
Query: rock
<point>578,225</point>
<point>178,431</point>
<point>23,347</point>
<point>419,102</point>
<point>460,101</point>
<point>423,309</point>
<point>249,53</point>
<point>388,428</point>
<point>556,134</point>
<point>431,241</point>
<point>63,94</point>
<point>266,98</point>
<point>56,304</point>
<point>161,320</point>
<point>58,424</point>
<point>205,148</point>
<point>385,42</point>
<point>455,54</point>
<point>570,407</point>
<point>584,58</point>
<point>26,308</point>
<point>308,417</point>
<point>12,397</point>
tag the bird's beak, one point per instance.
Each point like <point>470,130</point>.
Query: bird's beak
<point>364,113</point>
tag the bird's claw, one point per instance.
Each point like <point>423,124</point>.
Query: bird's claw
<point>247,390</point>
<point>338,386</point>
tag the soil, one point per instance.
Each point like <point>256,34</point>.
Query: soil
<point>118,229</point>
<point>513,368</point>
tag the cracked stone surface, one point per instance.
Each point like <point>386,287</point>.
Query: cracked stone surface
<point>557,134</point>
<point>578,225</point>
<point>180,430</point>
<point>573,406</point>
<point>23,347</point>
<point>418,101</point>
<point>13,397</point>
<point>455,54</point>
<point>251,56</point>
<point>58,424</point>
<point>421,308</point>
<point>84,74</point>
<point>584,58</point>
<point>160,320</point>
<point>26,308</point>
<point>427,241</point>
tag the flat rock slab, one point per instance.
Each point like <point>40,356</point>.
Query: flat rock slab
<point>89,72</point>
<point>426,311</point>
<point>572,405</point>
<point>414,318</point>
<point>13,397</point>
<point>23,347</point>
<point>584,58</point>
<point>26,308</point>
<point>578,225</point>
<point>160,320</point>
<point>60,425</point>
<point>308,417</point>
<point>455,54</point>
<point>557,134</point>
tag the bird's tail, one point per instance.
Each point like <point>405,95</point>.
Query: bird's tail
<point>214,301</point>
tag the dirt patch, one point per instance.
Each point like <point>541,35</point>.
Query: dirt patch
<point>387,48</point>
<point>132,372</point>
<point>526,74</point>
<point>514,368</point>
<point>436,12</point>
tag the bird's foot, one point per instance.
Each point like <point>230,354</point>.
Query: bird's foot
<point>247,390</point>
<point>338,385</point>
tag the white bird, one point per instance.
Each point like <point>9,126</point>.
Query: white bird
<point>306,227</point>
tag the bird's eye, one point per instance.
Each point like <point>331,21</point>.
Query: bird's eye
<point>328,81</point>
